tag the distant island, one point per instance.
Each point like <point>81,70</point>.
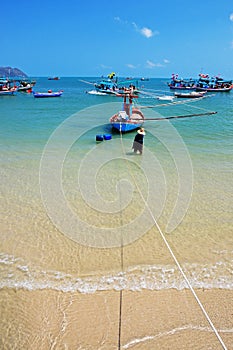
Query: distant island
<point>11,72</point>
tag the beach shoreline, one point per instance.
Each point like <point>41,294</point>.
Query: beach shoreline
<point>168,319</point>
<point>62,277</point>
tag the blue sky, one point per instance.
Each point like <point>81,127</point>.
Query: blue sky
<point>149,38</point>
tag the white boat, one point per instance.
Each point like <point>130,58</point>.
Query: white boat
<point>166,98</point>
<point>128,118</point>
<point>192,94</point>
<point>7,92</point>
<point>7,88</point>
<point>26,85</point>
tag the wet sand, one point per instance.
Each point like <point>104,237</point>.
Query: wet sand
<point>168,319</point>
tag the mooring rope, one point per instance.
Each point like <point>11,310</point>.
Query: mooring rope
<point>172,103</point>
<point>175,260</point>
<point>180,116</point>
<point>152,95</point>
<point>122,269</point>
<point>205,112</point>
<point>120,319</point>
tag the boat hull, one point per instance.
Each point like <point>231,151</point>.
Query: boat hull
<point>117,92</point>
<point>214,89</point>
<point>127,124</point>
<point>125,127</point>
<point>26,85</point>
<point>165,98</point>
<point>106,91</point>
<point>190,95</point>
<point>25,89</point>
<point>7,93</point>
<point>47,94</point>
<point>182,87</point>
<point>53,78</point>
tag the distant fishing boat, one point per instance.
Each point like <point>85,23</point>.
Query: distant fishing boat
<point>112,86</point>
<point>129,118</point>
<point>25,85</point>
<point>203,83</point>
<point>213,84</point>
<point>50,93</point>
<point>7,88</point>
<point>53,78</point>
<point>181,84</point>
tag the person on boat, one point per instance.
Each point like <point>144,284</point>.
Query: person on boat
<point>138,141</point>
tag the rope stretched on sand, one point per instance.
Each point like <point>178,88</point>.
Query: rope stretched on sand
<point>176,262</point>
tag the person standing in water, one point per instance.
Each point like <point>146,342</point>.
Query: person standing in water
<point>138,141</point>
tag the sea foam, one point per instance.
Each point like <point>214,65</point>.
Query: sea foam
<point>15,273</point>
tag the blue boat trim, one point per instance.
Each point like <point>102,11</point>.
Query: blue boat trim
<point>203,83</point>
<point>47,94</point>
<point>112,86</point>
<point>129,118</point>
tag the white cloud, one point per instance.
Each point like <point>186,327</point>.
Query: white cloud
<point>150,64</point>
<point>159,65</point>
<point>129,65</point>
<point>166,61</point>
<point>231,17</point>
<point>119,20</point>
<point>147,32</point>
<point>105,67</point>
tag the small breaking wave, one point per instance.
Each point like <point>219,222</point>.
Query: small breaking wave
<point>171,332</point>
<point>16,274</point>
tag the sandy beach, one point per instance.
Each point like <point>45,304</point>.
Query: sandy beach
<point>63,292</point>
<point>168,319</point>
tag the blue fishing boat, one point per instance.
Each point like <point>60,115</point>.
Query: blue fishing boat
<point>129,118</point>
<point>112,86</point>
<point>106,86</point>
<point>48,94</point>
<point>53,78</point>
<point>181,84</point>
<point>213,84</point>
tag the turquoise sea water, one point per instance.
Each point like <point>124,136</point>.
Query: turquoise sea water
<point>186,162</point>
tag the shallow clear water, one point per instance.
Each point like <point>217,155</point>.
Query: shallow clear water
<point>69,204</point>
